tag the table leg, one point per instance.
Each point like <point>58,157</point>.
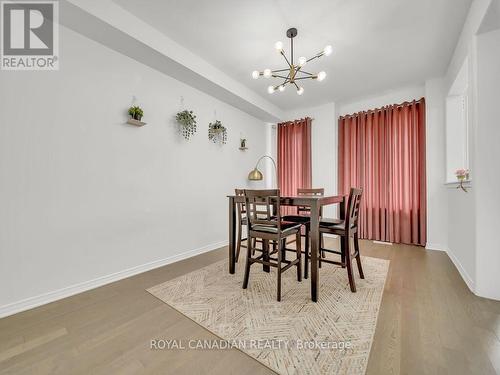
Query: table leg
<point>314,239</point>
<point>232,235</point>
<point>265,256</point>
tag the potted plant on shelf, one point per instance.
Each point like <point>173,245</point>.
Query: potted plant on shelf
<point>187,121</point>
<point>136,112</point>
<point>243,144</point>
<point>462,176</point>
<point>217,132</point>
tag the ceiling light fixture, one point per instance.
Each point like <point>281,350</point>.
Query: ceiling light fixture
<point>295,71</point>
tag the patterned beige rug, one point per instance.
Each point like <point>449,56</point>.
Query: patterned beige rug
<point>295,336</point>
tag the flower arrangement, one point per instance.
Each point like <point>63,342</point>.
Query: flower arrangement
<point>187,121</point>
<point>136,113</point>
<point>462,175</point>
<point>217,132</point>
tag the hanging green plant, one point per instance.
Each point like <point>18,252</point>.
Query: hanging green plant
<point>217,132</point>
<point>187,122</point>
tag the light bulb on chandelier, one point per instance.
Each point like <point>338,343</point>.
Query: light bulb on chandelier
<point>321,76</point>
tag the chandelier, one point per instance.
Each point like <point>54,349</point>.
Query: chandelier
<point>294,72</point>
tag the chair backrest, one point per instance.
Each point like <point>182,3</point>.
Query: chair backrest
<point>308,192</point>
<point>263,207</point>
<point>241,206</point>
<point>352,211</point>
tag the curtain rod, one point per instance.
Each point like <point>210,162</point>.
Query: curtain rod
<point>404,104</point>
<point>293,121</point>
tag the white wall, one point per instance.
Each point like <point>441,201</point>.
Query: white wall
<point>83,195</point>
<point>473,218</point>
<point>437,204</point>
<point>487,171</point>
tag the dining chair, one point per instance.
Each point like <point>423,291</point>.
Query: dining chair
<point>346,229</point>
<point>264,222</point>
<point>303,217</point>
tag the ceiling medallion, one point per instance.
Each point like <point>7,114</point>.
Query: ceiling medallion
<point>294,72</point>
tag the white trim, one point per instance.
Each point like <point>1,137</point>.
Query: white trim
<point>435,247</point>
<point>468,280</point>
<point>71,290</point>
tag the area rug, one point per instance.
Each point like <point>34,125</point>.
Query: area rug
<point>296,335</point>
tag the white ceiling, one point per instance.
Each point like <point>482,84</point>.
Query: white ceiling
<point>378,44</point>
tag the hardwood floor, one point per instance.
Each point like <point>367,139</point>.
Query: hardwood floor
<point>429,323</point>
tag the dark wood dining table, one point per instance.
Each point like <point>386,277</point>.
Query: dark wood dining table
<point>315,203</point>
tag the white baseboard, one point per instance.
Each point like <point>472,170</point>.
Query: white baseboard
<point>436,247</point>
<point>461,270</point>
<point>55,295</point>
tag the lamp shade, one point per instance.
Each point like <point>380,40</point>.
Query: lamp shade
<point>255,175</point>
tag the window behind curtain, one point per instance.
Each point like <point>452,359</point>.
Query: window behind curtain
<point>382,151</point>
<point>294,156</point>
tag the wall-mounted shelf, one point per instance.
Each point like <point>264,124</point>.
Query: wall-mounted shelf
<point>135,122</point>
<point>243,148</point>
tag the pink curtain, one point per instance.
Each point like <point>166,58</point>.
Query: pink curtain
<point>383,152</point>
<point>294,156</point>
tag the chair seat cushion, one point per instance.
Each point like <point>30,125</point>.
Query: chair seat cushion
<point>325,222</point>
<point>333,224</point>
<point>286,226</point>
<point>297,219</point>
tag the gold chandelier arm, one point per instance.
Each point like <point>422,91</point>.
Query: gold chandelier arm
<point>308,77</point>
<point>315,57</point>
<point>303,71</point>
<point>278,76</point>
<point>280,70</point>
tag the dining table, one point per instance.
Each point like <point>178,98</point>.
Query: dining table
<point>315,203</point>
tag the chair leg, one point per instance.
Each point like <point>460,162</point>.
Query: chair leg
<point>322,239</point>
<point>319,254</point>
<point>278,284</point>
<point>306,253</point>
<point>238,245</point>
<point>342,251</point>
<point>358,256</point>
<point>299,253</point>
<point>352,283</point>
<point>247,264</point>
<point>265,252</point>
